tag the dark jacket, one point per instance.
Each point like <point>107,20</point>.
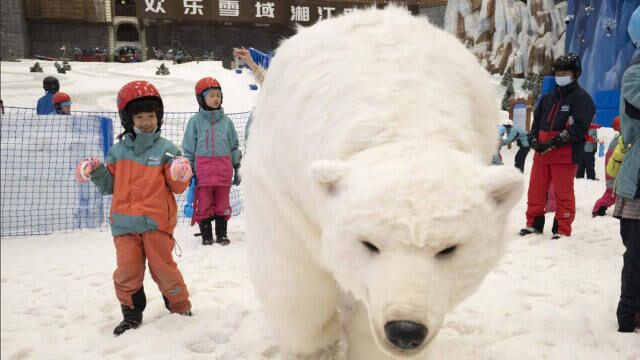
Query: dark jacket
<point>552,116</point>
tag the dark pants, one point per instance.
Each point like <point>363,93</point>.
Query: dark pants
<point>629,304</point>
<point>521,156</point>
<point>588,163</point>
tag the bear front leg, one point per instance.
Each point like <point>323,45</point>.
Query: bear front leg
<point>299,298</point>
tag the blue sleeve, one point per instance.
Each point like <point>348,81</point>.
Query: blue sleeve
<point>189,142</point>
<point>631,92</point>
<point>234,145</point>
<point>102,176</point>
<point>511,136</point>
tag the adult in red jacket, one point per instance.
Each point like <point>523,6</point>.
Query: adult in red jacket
<point>560,123</point>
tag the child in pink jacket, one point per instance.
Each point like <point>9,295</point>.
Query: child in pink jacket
<point>609,197</point>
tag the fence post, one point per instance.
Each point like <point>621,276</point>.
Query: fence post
<point>106,132</point>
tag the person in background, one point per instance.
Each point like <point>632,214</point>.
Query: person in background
<point>259,74</point>
<point>627,188</point>
<point>211,145</point>
<point>561,121</point>
<point>45,104</point>
<point>519,135</point>
<point>496,159</point>
<point>61,104</point>
<point>588,160</point>
<point>258,71</point>
<point>608,199</point>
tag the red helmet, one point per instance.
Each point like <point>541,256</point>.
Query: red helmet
<point>60,97</point>
<point>136,90</point>
<point>205,84</point>
<point>616,124</point>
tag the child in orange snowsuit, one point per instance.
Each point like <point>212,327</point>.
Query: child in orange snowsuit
<point>142,171</point>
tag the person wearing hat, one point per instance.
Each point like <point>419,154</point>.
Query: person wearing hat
<point>51,85</point>
<point>588,161</point>
<point>560,123</point>
<point>518,135</point>
<point>211,144</point>
<point>142,171</point>
<point>61,104</point>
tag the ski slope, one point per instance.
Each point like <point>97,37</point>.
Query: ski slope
<point>546,299</point>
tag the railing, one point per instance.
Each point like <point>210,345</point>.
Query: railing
<point>38,155</point>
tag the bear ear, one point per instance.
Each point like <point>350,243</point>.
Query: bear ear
<point>328,173</point>
<point>503,185</point>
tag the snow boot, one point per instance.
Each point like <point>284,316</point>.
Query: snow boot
<point>221,231</point>
<point>538,226</point>
<point>554,230</point>
<point>558,236</point>
<point>206,231</point>
<point>632,325</point>
<point>600,212</point>
<point>131,320</point>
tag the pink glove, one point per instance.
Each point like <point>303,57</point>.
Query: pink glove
<point>180,169</point>
<point>85,168</point>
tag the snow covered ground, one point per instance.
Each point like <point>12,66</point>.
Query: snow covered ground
<point>94,86</point>
<point>546,300</point>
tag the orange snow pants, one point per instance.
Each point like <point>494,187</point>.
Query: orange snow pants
<point>154,246</point>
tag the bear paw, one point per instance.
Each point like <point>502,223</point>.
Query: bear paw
<point>335,351</point>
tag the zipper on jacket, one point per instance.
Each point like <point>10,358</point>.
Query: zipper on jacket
<point>206,138</point>
<point>554,111</point>
<point>213,132</point>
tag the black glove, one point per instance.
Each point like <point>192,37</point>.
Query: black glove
<point>543,148</point>
<point>562,138</point>
<point>236,176</point>
<point>534,144</point>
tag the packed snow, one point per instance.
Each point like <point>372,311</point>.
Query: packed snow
<point>546,299</point>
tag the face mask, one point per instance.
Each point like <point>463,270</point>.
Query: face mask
<point>563,80</point>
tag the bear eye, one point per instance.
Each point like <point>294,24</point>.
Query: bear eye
<point>370,246</point>
<point>446,252</point>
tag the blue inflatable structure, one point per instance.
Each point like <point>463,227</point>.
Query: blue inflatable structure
<point>597,31</point>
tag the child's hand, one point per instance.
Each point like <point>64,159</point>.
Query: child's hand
<point>242,54</point>
<point>180,169</point>
<point>85,168</point>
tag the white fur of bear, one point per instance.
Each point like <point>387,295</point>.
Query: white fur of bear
<point>367,174</point>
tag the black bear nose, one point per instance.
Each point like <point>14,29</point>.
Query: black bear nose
<point>405,334</point>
